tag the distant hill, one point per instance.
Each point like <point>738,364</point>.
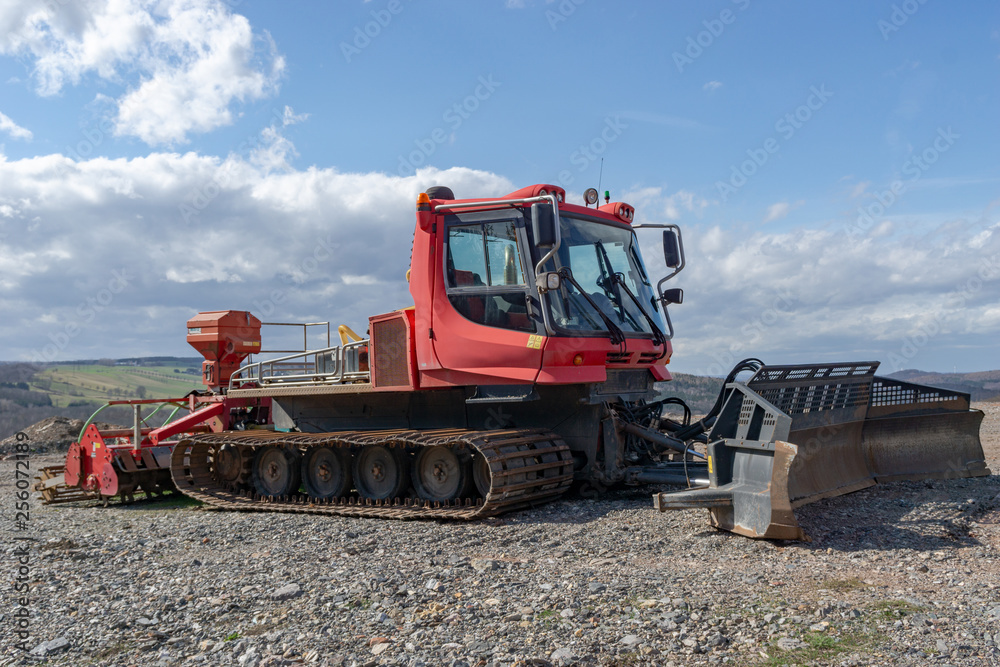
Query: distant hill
<point>981,386</point>
<point>700,393</point>
<point>32,392</point>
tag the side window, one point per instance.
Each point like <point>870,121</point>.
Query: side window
<point>486,277</point>
<point>501,252</point>
<point>466,257</point>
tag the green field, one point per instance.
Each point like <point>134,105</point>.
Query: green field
<point>69,384</point>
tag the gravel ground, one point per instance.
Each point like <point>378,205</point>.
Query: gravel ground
<point>903,573</point>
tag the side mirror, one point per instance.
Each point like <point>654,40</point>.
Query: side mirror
<point>675,295</point>
<point>671,249</point>
<point>543,225</point>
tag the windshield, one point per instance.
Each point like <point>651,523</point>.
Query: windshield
<point>594,252</point>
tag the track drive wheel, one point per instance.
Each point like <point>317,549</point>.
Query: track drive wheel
<point>439,474</point>
<point>326,472</point>
<point>276,471</point>
<point>381,473</point>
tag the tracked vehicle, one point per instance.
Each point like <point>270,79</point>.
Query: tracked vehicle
<point>526,365</point>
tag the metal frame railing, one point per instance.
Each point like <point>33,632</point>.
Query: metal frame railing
<point>305,334</point>
<point>304,368</point>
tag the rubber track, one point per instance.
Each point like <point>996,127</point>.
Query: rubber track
<point>528,467</point>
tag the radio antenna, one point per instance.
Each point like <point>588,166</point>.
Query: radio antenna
<point>601,176</point>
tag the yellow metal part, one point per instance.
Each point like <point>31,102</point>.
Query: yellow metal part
<point>347,334</point>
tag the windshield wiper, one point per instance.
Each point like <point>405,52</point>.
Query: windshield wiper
<point>658,337</point>
<point>616,334</point>
<point>608,276</point>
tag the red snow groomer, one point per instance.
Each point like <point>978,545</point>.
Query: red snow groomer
<point>527,364</point>
<point>106,463</point>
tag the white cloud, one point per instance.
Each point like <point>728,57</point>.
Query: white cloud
<point>289,117</point>
<point>651,203</point>
<point>780,209</point>
<point>777,211</point>
<point>712,85</point>
<point>13,129</point>
<point>183,63</point>
<point>310,245</point>
<point>860,189</point>
<point>810,295</point>
<point>318,244</point>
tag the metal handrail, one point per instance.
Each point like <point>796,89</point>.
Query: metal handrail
<point>267,371</point>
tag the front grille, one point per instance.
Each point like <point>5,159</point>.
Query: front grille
<point>391,353</point>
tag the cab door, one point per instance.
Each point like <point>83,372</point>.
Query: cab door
<point>486,319</point>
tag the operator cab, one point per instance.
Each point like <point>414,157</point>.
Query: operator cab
<point>530,289</point>
<point>599,283</point>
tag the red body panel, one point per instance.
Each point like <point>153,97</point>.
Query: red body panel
<point>464,347</point>
<point>458,352</point>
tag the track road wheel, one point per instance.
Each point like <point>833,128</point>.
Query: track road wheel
<point>228,464</point>
<point>381,473</point>
<point>276,471</point>
<point>439,474</point>
<point>326,472</point>
<point>481,474</point>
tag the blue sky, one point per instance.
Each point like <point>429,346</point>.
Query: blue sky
<point>833,166</point>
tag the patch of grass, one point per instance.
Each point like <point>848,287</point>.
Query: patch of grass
<point>821,641</point>
<point>844,585</point>
<point>547,613</point>
<point>109,652</point>
<point>820,648</point>
<point>897,608</point>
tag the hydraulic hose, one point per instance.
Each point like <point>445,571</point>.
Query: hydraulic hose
<point>705,423</point>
